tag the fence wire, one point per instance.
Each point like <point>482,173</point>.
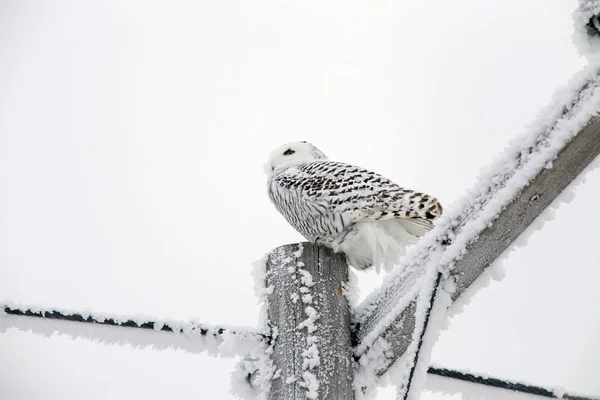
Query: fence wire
<point>502,384</point>
<point>150,325</point>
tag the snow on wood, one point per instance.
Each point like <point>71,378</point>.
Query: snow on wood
<point>586,35</point>
<point>513,191</point>
<point>310,321</point>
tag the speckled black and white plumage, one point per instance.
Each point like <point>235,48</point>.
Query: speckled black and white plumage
<point>347,208</point>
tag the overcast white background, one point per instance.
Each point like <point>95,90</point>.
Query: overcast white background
<point>132,140</point>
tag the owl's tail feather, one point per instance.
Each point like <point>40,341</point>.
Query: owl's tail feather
<point>378,243</point>
<point>416,226</point>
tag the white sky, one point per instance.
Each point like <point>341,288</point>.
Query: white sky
<point>132,139</point>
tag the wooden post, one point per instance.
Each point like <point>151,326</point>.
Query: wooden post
<point>310,318</point>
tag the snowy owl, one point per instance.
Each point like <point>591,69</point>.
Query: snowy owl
<point>347,208</point>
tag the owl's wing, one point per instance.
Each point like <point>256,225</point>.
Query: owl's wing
<point>351,194</point>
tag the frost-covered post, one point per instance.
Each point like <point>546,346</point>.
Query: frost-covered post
<point>310,318</point>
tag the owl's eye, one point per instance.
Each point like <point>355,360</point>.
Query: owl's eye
<point>288,152</point>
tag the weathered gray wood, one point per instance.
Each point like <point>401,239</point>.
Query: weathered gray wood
<point>328,272</point>
<point>534,199</point>
<point>494,240</point>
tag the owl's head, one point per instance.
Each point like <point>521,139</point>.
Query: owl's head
<point>292,154</point>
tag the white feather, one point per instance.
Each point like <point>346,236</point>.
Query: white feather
<point>380,243</point>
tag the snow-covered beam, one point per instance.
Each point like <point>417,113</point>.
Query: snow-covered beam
<point>509,196</point>
<point>524,209</point>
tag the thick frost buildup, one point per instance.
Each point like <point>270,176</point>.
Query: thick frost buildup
<point>312,316</point>
<point>262,292</point>
<point>251,380</point>
<point>352,290</point>
<point>365,377</point>
<point>310,382</point>
<point>586,34</point>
